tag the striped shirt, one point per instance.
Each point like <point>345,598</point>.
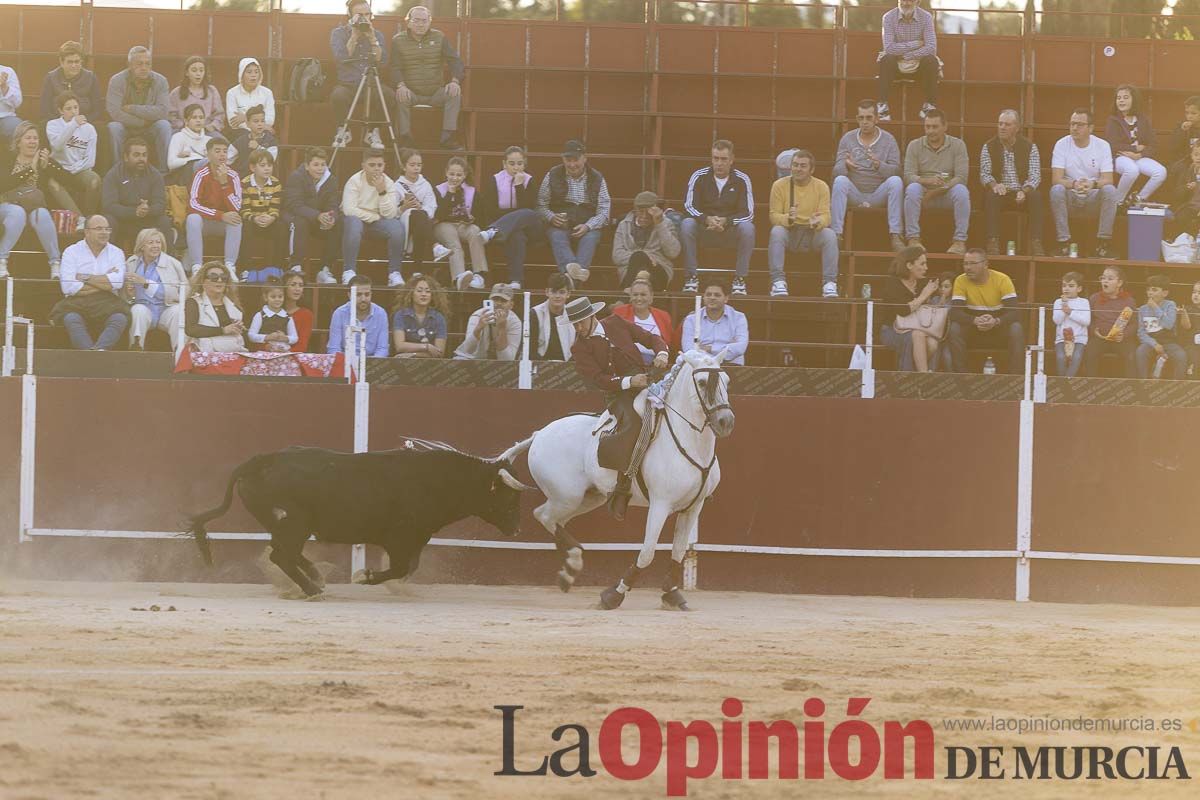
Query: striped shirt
<point>1008,171</point>
<point>909,38</point>
<point>261,199</point>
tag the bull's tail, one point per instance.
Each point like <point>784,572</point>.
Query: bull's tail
<point>516,450</point>
<point>197,522</point>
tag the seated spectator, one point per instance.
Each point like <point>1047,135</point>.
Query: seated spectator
<point>354,49</point>
<point>936,169</point>
<point>574,203</point>
<point>904,291</point>
<point>1072,317</point>
<point>1082,170</point>
<point>10,100</point>
<point>256,137</point>
<point>262,196</point>
<point>93,271</point>
<point>1157,337</point>
<point>1186,136</point>
<point>419,56</point>
<point>188,150</point>
<point>1189,320</point>
<point>866,174</point>
<point>419,321</point>
<point>137,101</point>
<point>371,317</point>
<point>73,145</point>
<point>247,93</point>
<point>212,316</point>
<point>155,283</point>
<point>370,204</point>
<point>455,224</point>
<point>214,207</point>
<point>418,207</point>
<point>641,311</point>
<point>645,241</point>
<point>508,205</point>
<point>1185,198</point>
<point>722,327</point>
<point>551,338</point>
<point>1113,326</point>
<point>70,76</point>
<point>302,315</point>
<point>272,328</point>
<point>1010,168</point>
<point>1130,134</point>
<point>799,211</point>
<point>26,171</point>
<point>196,88</point>
<point>493,331</point>
<point>719,204</point>
<point>984,313</point>
<point>938,350</point>
<point>312,201</point>
<point>909,48</point>
<point>133,195</point>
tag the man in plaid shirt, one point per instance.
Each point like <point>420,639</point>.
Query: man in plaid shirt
<point>909,39</point>
<point>1010,169</point>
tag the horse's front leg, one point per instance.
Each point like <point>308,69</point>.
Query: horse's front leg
<point>685,526</point>
<point>656,515</point>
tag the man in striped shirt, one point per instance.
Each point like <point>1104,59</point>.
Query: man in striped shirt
<point>574,202</point>
<point>909,38</point>
<point>1016,183</point>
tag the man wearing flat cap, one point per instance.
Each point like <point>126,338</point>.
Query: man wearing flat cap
<point>574,203</point>
<point>607,358</point>
<point>645,240</point>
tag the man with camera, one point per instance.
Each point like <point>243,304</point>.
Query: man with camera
<point>419,58</point>
<point>357,46</point>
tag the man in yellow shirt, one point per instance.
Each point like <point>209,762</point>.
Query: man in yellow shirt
<point>984,313</point>
<point>800,224</point>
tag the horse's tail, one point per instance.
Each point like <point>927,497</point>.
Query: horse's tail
<point>516,450</point>
<point>197,522</point>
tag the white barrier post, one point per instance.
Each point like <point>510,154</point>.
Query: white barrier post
<point>868,373</point>
<point>10,350</point>
<point>28,447</point>
<point>1039,377</point>
<point>1025,485</point>
<point>525,367</point>
<point>696,326</point>
<point>356,359</point>
<point>348,340</point>
<point>181,335</point>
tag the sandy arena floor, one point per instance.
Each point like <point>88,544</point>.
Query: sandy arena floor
<point>240,694</point>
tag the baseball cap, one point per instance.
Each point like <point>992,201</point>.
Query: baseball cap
<point>645,200</point>
<point>502,290</point>
<point>574,148</point>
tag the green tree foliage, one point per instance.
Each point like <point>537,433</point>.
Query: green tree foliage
<point>513,9</point>
<point>231,5</point>
<point>441,9</point>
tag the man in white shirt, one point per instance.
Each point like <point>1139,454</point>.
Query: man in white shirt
<point>93,271</point>
<point>722,327</point>
<point>10,101</point>
<point>1082,183</point>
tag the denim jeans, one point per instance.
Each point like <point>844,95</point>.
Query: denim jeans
<point>14,218</point>
<point>740,236</point>
<point>802,239</point>
<point>198,227</point>
<point>958,199</point>
<point>517,230</point>
<point>353,231</point>
<point>1146,356</point>
<point>561,244</point>
<point>844,193</point>
<point>1068,369</point>
<point>1005,336</point>
<point>157,134</point>
<point>902,343</point>
<point>1065,203</point>
<point>82,340</point>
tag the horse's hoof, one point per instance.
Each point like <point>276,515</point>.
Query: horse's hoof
<point>315,598</point>
<point>610,599</point>
<point>674,601</point>
<point>361,576</point>
<point>565,580</point>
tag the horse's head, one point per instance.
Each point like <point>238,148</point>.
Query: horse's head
<point>707,386</point>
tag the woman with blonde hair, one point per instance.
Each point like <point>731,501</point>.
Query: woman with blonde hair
<point>213,314</point>
<point>155,282</point>
<point>420,319</point>
<point>27,176</point>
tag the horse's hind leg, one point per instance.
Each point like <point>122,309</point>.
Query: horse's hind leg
<point>553,516</point>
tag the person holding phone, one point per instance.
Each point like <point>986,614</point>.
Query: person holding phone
<point>494,330</point>
<point>418,206</point>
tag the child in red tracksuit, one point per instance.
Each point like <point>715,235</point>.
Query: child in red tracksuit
<point>215,206</point>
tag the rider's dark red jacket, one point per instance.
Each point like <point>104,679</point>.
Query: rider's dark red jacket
<point>610,354</point>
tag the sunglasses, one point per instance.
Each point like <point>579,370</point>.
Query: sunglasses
<point>215,277</point>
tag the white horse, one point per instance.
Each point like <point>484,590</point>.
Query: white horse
<point>680,470</point>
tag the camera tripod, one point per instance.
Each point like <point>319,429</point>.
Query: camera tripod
<point>342,138</point>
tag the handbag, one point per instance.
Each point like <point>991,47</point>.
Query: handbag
<point>930,320</point>
<point>1180,251</point>
<point>27,197</point>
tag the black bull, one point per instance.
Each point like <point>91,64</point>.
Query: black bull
<point>397,499</point>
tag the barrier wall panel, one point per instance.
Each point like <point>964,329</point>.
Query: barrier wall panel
<point>497,44</point>
<point>618,134</point>
<point>798,97</point>
<point>617,92</point>
<point>44,29</point>
<point>819,137</point>
<point>233,35</point>
<point>546,133</point>
<point>752,138</point>
<point>120,30</point>
<point>10,28</point>
<point>992,59</point>
<point>1061,61</point>
<point>685,95</point>
<point>498,130</point>
<point>1129,63</point>
<point>625,177</point>
<point>861,52</point>
<point>557,46</point>
<point>1092,582</point>
<point>950,51</point>
<point>556,90</point>
<point>1115,479</point>
<point>686,50</point>
<point>10,467</point>
<point>688,137</point>
<point>618,48</point>
<point>805,53</point>
<point>747,96</point>
<point>497,89</point>
<point>983,103</point>
<point>1053,104</point>
<point>1175,65</point>
<point>746,51</point>
<point>307,35</point>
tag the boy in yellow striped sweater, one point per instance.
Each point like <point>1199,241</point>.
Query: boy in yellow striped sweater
<point>262,197</point>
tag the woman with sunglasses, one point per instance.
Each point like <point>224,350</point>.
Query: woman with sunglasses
<point>213,315</point>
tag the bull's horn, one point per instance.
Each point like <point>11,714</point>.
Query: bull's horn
<point>512,482</point>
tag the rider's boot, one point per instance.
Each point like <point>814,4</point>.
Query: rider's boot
<point>618,501</point>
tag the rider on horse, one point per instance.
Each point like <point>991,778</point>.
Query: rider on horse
<point>606,354</point>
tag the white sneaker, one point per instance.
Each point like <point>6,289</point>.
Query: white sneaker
<point>325,276</point>
<point>440,251</point>
<point>232,269</point>
<point>55,270</point>
<point>299,270</point>
<point>347,275</point>
<point>577,273</point>
<point>3,268</point>
<point>488,235</point>
<point>926,108</point>
<point>739,286</point>
<point>343,137</point>
<point>478,281</point>
<point>779,289</point>
<point>885,113</point>
<point>514,285</point>
<point>395,280</point>
<point>829,289</point>
<point>691,286</point>
<point>373,140</point>
<point>463,279</point>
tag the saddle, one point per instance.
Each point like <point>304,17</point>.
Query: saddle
<point>618,430</point>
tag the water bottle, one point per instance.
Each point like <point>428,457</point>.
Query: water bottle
<point>1158,366</point>
<point>989,366</point>
<point>789,360</point>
